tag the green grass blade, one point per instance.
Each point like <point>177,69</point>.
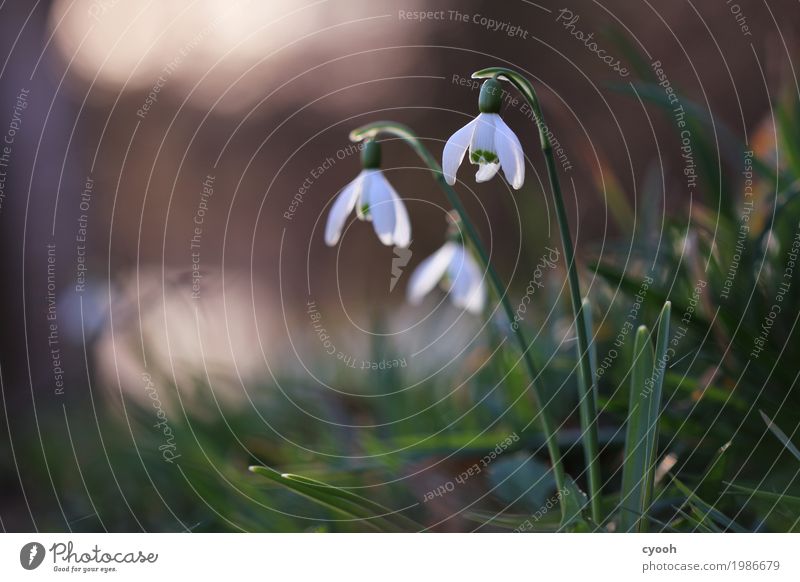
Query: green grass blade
<point>706,513</point>
<point>588,320</point>
<point>574,502</point>
<point>781,436</point>
<point>632,54</point>
<point>786,112</point>
<point>345,502</point>
<point>780,498</point>
<point>322,496</point>
<point>587,378</point>
<point>634,471</point>
<point>548,523</point>
<point>606,182</point>
<point>657,386</point>
<point>398,520</point>
<point>695,520</point>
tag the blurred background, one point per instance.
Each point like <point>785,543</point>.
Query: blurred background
<point>166,175</point>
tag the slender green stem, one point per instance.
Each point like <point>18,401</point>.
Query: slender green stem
<point>586,381</point>
<point>403,132</point>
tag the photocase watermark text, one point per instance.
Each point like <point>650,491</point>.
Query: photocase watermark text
<point>548,261</point>
<point>568,19</point>
<point>168,448</point>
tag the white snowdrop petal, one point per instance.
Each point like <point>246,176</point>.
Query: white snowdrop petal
<point>362,208</point>
<point>402,226</point>
<point>378,194</point>
<point>467,289</point>
<point>342,207</point>
<point>486,172</point>
<point>459,279</point>
<point>476,299</point>
<point>472,300</point>
<point>454,151</point>
<point>509,150</point>
<point>429,273</point>
<point>483,136</point>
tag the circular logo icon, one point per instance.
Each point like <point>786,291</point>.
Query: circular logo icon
<point>31,555</point>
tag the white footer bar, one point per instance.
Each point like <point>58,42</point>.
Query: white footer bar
<point>355,557</point>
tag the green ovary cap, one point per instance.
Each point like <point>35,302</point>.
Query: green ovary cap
<point>371,155</point>
<point>491,96</point>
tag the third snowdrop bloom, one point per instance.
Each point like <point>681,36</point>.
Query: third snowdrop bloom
<point>490,141</point>
<point>453,267</point>
<point>374,200</point>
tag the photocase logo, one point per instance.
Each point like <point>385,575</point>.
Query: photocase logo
<point>31,555</point>
<point>400,260</point>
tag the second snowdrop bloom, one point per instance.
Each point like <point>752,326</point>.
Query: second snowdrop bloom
<point>454,268</point>
<point>374,200</point>
<point>490,142</point>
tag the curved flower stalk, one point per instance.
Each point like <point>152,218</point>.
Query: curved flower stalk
<point>586,377</point>
<point>374,200</point>
<point>371,131</point>
<point>490,141</point>
<point>456,271</point>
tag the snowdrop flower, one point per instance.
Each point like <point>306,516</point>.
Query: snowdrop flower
<point>374,200</point>
<point>490,141</point>
<point>453,267</point>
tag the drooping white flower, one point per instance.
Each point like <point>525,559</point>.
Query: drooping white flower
<point>454,268</point>
<point>490,142</point>
<point>375,200</point>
